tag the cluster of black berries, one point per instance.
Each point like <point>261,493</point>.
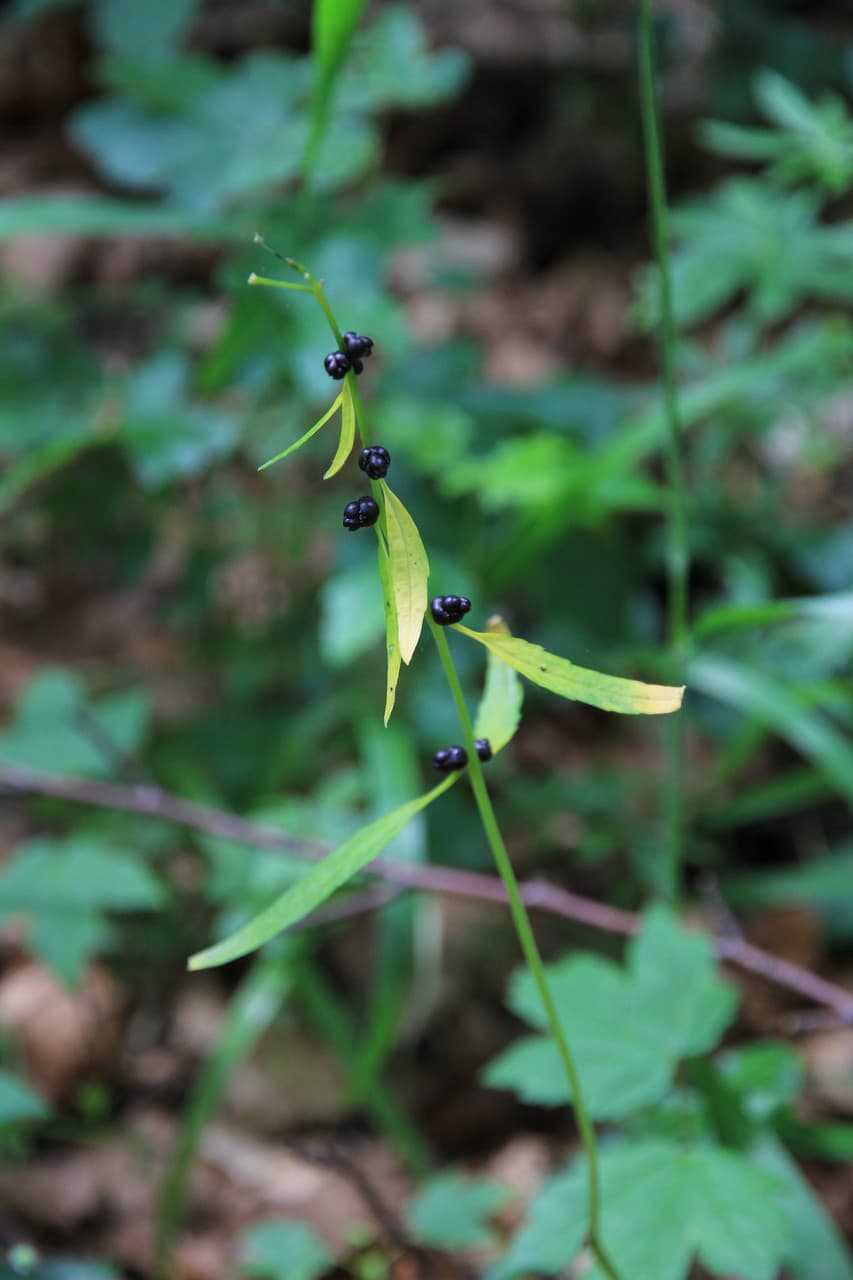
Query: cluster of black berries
<point>363,512</point>
<point>338,363</point>
<point>449,759</point>
<point>449,609</point>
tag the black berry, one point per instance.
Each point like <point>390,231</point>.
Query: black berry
<point>449,759</point>
<point>360,514</point>
<point>449,609</point>
<point>357,346</point>
<point>375,461</point>
<point>337,365</point>
<point>484,749</point>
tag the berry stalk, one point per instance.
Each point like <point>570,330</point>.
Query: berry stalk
<point>530,950</point>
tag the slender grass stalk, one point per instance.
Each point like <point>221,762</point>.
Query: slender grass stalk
<point>492,831</point>
<point>678,553</point>
<point>530,950</point>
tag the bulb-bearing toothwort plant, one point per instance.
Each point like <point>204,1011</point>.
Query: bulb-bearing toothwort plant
<point>404,575</point>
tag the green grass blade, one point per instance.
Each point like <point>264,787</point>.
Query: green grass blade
<point>499,713</point>
<point>333,25</point>
<point>755,694</point>
<point>609,693</point>
<point>297,444</point>
<point>318,884</point>
<point>347,437</point>
<point>409,572</point>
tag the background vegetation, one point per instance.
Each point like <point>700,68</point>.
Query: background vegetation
<point>374,1093</point>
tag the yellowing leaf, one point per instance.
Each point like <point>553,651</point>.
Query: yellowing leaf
<point>610,693</point>
<point>392,644</point>
<point>319,883</point>
<point>347,439</point>
<point>409,572</point>
<point>500,706</point>
<point>297,444</point>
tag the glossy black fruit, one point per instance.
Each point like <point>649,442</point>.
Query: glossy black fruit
<point>449,759</point>
<point>375,461</point>
<point>484,749</point>
<point>360,514</point>
<point>357,346</point>
<point>449,609</point>
<point>337,365</point>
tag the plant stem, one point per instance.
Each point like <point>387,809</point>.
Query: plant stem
<point>678,553</point>
<point>530,950</point>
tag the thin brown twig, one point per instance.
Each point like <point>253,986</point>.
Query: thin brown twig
<point>153,802</point>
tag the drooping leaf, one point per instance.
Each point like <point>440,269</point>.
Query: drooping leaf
<point>312,431</point>
<point>559,675</point>
<point>409,572</point>
<point>499,712</point>
<point>392,643</point>
<point>347,437</point>
<point>452,1212</point>
<point>662,1205</point>
<point>318,884</point>
<point>628,1027</point>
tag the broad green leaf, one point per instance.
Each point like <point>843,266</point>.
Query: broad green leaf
<point>18,1102</point>
<point>297,444</point>
<point>610,693</point>
<point>347,437</point>
<point>64,890</point>
<point>499,712</point>
<point>284,1251</point>
<point>773,705</point>
<point>817,1250</point>
<point>392,643</point>
<point>318,884</point>
<point>629,1027</point>
<point>409,572</point>
<point>452,1212</point>
<point>662,1205</point>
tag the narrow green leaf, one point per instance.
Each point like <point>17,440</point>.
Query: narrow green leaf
<point>610,693</point>
<point>347,438</point>
<point>297,444</point>
<point>332,27</point>
<point>392,643</point>
<point>499,712</point>
<point>409,571</point>
<point>772,704</point>
<point>319,883</point>
<point>96,215</point>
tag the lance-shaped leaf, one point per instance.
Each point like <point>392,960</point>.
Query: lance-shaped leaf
<point>347,439</point>
<point>392,643</point>
<point>409,570</point>
<point>610,693</point>
<point>332,26</point>
<point>297,444</point>
<point>500,706</point>
<point>319,883</point>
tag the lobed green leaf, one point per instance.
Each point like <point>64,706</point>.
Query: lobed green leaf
<point>409,572</point>
<point>318,884</point>
<point>559,675</point>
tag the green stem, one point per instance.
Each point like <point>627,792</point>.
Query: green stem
<point>678,554</point>
<point>530,950</point>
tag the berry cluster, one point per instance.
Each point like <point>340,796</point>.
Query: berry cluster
<point>449,759</point>
<point>360,514</point>
<point>374,461</point>
<point>356,346</point>
<point>449,609</point>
